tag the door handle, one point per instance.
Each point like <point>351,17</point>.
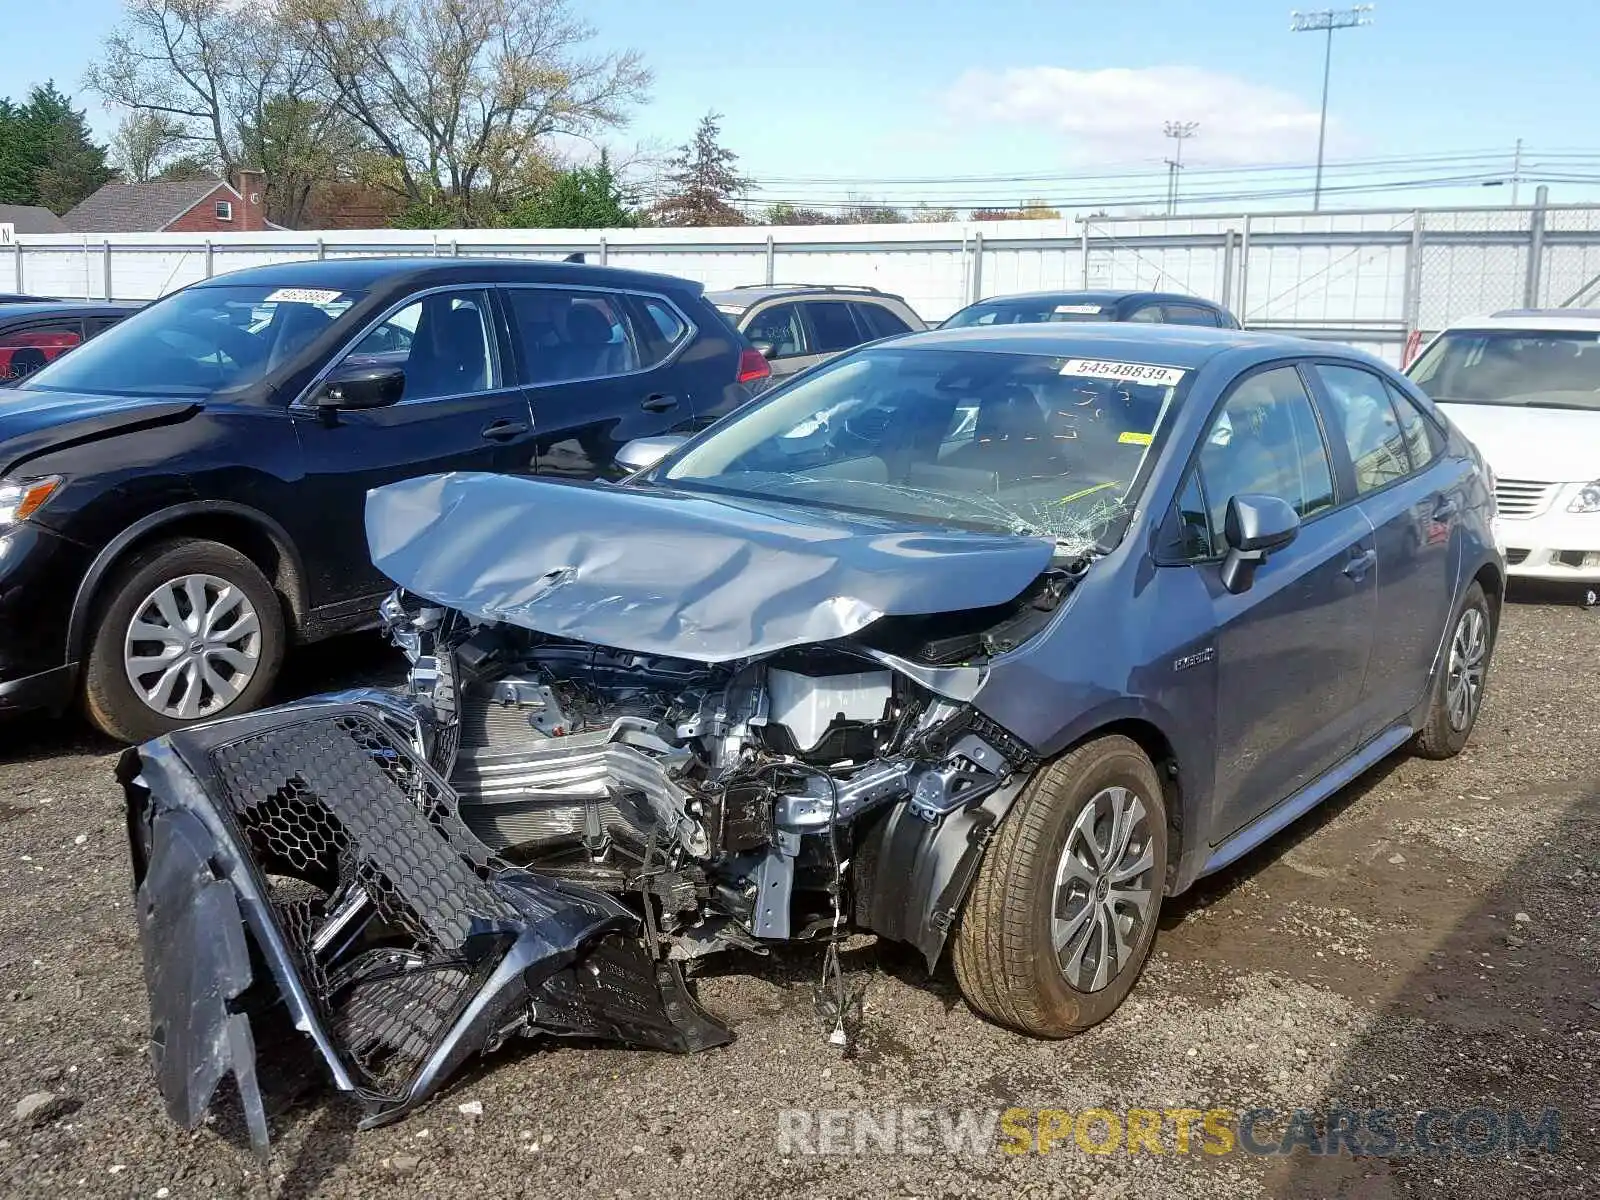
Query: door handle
<point>1360,563</point>
<point>504,430</point>
<point>659,403</point>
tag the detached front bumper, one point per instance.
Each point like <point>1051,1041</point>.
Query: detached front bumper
<point>317,835</point>
<point>1558,546</point>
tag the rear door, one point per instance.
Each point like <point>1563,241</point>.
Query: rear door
<point>1291,650</point>
<point>599,368</point>
<point>458,413</point>
<point>1414,500</point>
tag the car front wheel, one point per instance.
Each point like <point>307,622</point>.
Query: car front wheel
<point>1061,916</point>
<point>189,630</point>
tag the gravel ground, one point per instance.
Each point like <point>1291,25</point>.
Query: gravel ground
<point>1429,938</point>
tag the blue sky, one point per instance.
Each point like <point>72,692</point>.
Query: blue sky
<point>867,91</point>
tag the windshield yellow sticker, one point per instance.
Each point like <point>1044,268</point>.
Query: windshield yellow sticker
<point>302,296</point>
<point>1135,439</point>
<point>1088,491</point>
<point>1126,372</point>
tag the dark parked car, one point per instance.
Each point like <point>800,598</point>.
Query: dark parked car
<point>798,325</point>
<point>849,661</point>
<point>1158,308</point>
<point>35,332</point>
<point>183,496</point>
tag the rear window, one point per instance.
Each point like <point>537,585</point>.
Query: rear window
<point>1034,311</point>
<point>1535,369</point>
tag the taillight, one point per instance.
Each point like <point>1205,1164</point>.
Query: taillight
<point>752,366</point>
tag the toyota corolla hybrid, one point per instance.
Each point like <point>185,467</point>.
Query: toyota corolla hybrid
<point>985,640</point>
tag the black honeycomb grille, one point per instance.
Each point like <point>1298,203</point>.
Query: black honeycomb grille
<point>327,804</point>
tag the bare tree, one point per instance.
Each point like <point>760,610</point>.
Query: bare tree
<point>460,97</point>
<point>143,143</point>
<point>177,59</point>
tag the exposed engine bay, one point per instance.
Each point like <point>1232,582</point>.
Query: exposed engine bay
<point>536,835</point>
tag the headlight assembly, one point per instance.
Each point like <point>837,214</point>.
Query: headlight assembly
<point>1587,501</point>
<point>20,499</point>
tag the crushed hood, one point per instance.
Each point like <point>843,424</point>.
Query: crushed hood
<point>674,573</point>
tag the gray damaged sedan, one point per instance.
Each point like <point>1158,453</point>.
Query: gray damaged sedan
<point>982,640</point>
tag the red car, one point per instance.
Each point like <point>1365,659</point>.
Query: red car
<point>36,332</point>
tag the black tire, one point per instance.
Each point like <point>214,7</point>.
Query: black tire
<point>1439,736</point>
<point>109,697</point>
<point>1003,956</point>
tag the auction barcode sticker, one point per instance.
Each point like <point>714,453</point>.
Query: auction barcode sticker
<point>1099,368</point>
<point>1084,309</point>
<point>293,295</point>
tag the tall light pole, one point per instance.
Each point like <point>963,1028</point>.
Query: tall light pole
<point>1179,132</point>
<point>1328,20</point>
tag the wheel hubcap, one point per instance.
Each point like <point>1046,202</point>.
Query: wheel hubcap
<point>1104,890</point>
<point>1469,648</point>
<point>193,645</point>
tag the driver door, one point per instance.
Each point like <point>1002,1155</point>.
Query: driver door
<point>457,413</point>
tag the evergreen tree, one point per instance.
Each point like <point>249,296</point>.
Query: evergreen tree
<point>703,179</point>
<point>46,154</point>
<point>578,198</point>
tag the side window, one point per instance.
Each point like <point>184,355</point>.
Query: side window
<point>444,343</point>
<point>564,335</point>
<point>98,325</point>
<point>832,325</point>
<point>1194,540</point>
<point>878,321</point>
<point>1424,442</point>
<point>1371,430</point>
<point>658,327</point>
<point>1189,314</point>
<point>779,326</point>
<point>1266,440</point>
<point>1150,313</point>
<point>24,351</point>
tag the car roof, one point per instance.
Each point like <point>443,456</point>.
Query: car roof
<point>1086,296</point>
<point>390,273</point>
<point>1186,346</point>
<point>749,295</point>
<point>1586,319</point>
<point>15,310</point>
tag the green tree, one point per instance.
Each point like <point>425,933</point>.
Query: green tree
<point>577,198</point>
<point>789,214</point>
<point>297,143</point>
<point>46,154</point>
<point>703,178</point>
<point>144,142</point>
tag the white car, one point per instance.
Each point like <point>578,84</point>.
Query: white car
<point>1525,387</point>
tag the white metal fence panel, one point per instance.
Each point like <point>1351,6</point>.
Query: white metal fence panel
<point>1368,277</point>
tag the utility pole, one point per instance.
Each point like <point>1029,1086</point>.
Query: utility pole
<point>1179,132</point>
<point>1327,20</point>
<point>1516,172</point>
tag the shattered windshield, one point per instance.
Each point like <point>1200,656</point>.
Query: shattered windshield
<point>1036,445</point>
<point>1536,369</point>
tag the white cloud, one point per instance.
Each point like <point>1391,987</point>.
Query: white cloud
<point>1117,114</point>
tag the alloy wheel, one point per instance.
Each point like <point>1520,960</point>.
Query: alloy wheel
<point>1469,650</point>
<point>1105,889</point>
<point>193,645</point>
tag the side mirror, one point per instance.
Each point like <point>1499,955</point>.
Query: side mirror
<point>362,386</point>
<point>1255,526</point>
<point>767,350</point>
<point>645,452</point>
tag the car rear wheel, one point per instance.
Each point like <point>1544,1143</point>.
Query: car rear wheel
<point>1063,911</point>
<point>1459,685</point>
<point>189,631</point>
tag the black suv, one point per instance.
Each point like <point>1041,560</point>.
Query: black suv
<point>183,495</point>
